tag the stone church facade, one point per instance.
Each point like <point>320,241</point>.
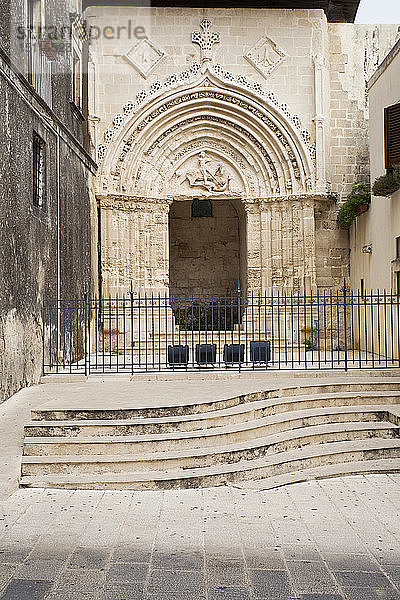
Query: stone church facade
<point>258,116</point>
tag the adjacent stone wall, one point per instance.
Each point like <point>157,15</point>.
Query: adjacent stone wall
<point>38,245</point>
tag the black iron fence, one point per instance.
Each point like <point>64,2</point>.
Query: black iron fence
<point>134,333</point>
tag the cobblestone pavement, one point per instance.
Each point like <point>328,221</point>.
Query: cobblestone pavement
<point>324,540</point>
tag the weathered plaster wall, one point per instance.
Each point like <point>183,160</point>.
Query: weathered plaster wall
<point>41,250</point>
<point>354,51</point>
<point>28,238</point>
<point>14,41</point>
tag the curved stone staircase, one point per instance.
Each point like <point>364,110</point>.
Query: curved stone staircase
<point>260,439</point>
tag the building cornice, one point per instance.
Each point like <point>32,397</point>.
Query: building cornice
<point>337,11</point>
<point>384,64</point>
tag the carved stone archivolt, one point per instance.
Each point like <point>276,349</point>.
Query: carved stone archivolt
<point>190,78</point>
<point>261,152</point>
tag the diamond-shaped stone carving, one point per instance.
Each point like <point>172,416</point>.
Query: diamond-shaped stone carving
<point>265,56</point>
<point>144,56</point>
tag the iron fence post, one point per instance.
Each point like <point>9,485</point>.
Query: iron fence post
<point>239,326</point>
<point>345,325</point>
<point>85,316</point>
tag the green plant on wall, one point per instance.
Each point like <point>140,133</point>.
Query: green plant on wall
<point>58,42</point>
<point>387,184</point>
<point>357,202</point>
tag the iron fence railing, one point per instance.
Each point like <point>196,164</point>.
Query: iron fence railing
<point>134,333</point>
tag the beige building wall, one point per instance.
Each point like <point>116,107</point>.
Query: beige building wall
<point>379,227</point>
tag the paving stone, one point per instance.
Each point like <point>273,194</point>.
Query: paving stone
<point>371,594</point>
<point>126,572</point>
<point>178,561</point>
<point>229,593</point>
<point>89,558</point>
<point>351,562</point>
<point>300,552</point>
<point>75,595</point>
<point>265,558</point>
<point>48,554</point>
<point>14,555</point>
<point>311,577</point>
<point>126,591</point>
<point>6,573</point>
<point>127,555</point>
<point>20,589</point>
<point>162,581</point>
<point>225,573</point>
<point>45,570</point>
<point>170,596</point>
<point>364,580</point>
<point>320,597</point>
<point>393,571</point>
<point>82,581</point>
<point>269,584</point>
<point>122,571</point>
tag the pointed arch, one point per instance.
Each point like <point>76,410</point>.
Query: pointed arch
<point>262,150</point>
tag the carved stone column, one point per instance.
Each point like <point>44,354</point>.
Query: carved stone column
<point>254,237</point>
<point>135,249</point>
<point>266,246</point>
<point>320,123</point>
<point>309,244</point>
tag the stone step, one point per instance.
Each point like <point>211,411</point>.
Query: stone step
<point>204,457</point>
<point>103,412</point>
<point>287,462</point>
<point>211,439</point>
<point>362,467</point>
<point>230,416</point>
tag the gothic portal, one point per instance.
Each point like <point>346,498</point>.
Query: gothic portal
<point>253,115</point>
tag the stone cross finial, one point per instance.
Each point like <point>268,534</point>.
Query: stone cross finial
<point>206,40</point>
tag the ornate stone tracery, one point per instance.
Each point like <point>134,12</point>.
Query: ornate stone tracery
<point>206,39</point>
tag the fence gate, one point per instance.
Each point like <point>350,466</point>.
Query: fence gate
<point>134,334</point>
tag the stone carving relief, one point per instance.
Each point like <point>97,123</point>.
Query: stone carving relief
<point>273,175</point>
<point>144,56</point>
<point>212,118</point>
<point>222,149</point>
<point>204,174</point>
<point>206,39</point>
<point>265,56</point>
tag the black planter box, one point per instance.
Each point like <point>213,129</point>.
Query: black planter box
<point>206,354</point>
<point>233,353</point>
<point>178,355</point>
<point>260,352</point>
